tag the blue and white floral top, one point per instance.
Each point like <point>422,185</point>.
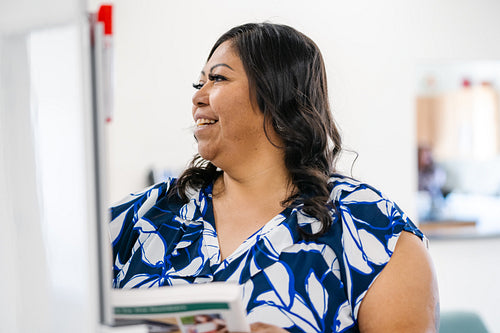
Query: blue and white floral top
<point>302,286</point>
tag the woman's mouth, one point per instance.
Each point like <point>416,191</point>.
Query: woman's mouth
<point>204,122</point>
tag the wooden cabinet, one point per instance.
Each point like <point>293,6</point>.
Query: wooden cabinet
<point>463,124</point>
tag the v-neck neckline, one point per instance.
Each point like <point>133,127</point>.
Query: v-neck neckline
<point>209,217</point>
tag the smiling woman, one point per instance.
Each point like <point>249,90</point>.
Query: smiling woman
<point>262,204</point>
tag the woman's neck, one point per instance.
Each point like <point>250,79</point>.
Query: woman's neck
<point>244,204</point>
<point>269,182</point>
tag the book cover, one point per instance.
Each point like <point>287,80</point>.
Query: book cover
<point>194,308</point>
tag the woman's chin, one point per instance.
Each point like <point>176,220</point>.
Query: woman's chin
<point>207,153</point>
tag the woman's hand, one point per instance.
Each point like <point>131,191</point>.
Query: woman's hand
<point>266,328</point>
<point>258,328</point>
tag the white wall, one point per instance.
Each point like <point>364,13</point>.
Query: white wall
<point>371,51</point>
<point>468,276</point>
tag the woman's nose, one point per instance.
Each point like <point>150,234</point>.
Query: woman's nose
<point>200,97</point>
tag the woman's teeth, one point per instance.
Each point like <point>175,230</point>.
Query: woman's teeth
<point>201,122</point>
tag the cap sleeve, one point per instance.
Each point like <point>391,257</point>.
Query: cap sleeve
<point>371,226</point>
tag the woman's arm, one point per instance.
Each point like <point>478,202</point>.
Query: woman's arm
<point>404,297</point>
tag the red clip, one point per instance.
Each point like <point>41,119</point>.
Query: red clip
<point>105,15</point>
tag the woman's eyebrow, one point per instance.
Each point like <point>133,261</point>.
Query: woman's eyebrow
<point>217,65</point>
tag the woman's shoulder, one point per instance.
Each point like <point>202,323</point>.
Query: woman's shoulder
<point>143,199</point>
<point>361,206</point>
<point>368,225</point>
<point>347,191</point>
<point>342,187</point>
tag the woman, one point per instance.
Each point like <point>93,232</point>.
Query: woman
<point>261,204</point>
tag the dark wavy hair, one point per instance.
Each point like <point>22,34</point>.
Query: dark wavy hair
<point>287,74</point>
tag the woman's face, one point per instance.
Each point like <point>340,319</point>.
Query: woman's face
<point>228,122</point>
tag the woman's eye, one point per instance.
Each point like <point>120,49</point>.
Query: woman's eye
<point>198,86</point>
<point>216,77</point>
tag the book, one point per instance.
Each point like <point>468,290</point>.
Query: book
<point>193,308</point>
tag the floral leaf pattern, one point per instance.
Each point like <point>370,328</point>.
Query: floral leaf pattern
<point>300,285</point>
<point>343,318</point>
<point>316,291</point>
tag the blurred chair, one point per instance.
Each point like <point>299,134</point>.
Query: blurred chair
<point>461,322</point>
